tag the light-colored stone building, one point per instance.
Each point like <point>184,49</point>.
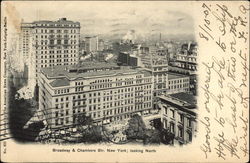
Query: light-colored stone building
<point>104,91</point>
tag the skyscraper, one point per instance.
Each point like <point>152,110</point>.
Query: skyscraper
<point>49,43</point>
<point>91,44</point>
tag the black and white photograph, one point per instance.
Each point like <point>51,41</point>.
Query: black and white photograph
<point>126,73</point>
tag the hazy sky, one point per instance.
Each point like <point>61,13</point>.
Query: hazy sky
<point>116,17</point>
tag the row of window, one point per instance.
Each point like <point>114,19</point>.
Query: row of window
<point>82,104</point>
<point>61,91</point>
<point>57,60</point>
<point>178,81</point>
<point>45,47</point>
<point>55,37</point>
<point>66,120</point>
<point>185,85</point>
<point>57,56</point>
<point>62,121</point>
<point>180,132</point>
<point>61,113</point>
<point>58,30</point>
<point>180,116</point>
<point>58,42</point>
<point>65,63</point>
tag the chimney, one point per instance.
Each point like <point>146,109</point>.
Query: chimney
<point>189,43</point>
<point>63,19</point>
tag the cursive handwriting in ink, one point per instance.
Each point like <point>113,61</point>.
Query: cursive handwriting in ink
<point>206,146</point>
<point>225,145</point>
<point>244,137</point>
<point>233,122</point>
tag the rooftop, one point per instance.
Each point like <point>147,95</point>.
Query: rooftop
<point>176,76</point>
<point>60,82</point>
<point>92,65</point>
<point>182,100</point>
<point>51,23</point>
<point>189,98</point>
<point>64,73</point>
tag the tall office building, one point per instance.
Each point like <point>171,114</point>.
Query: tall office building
<point>49,43</point>
<point>104,91</point>
<point>91,44</point>
<point>157,63</point>
<point>186,63</point>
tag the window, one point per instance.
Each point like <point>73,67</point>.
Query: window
<point>172,113</point>
<point>165,123</point>
<point>166,110</point>
<point>189,123</point>
<point>61,121</point>
<point>56,122</point>
<point>189,134</point>
<point>181,118</point>
<point>180,132</point>
<point>56,114</point>
<point>172,127</point>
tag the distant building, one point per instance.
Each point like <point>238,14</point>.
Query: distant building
<point>186,59</point>
<point>81,47</point>
<point>101,45</point>
<point>144,50</point>
<point>104,91</point>
<point>91,44</point>
<point>16,57</point>
<point>157,63</point>
<point>186,63</point>
<point>126,59</point>
<point>178,83</point>
<point>179,116</point>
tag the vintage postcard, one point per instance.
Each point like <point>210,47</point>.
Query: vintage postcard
<point>124,81</point>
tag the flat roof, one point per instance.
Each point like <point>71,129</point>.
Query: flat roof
<point>176,76</point>
<point>189,98</point>
<point>60,21</point>
<point>91,65</point>
<point>183,101</point>
<point>63,73</point>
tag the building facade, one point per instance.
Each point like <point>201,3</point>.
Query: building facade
<point>178,83</point>
<point>49,43</point>
<point>91,44</point>
<point>105,92</point>
<point>157,63</point>
<point>178,115</point>
<point>186,63</point>
<point>186,59</point>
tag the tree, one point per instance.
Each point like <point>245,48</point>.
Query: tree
<point>90,132</point>
<point>166,136</point>
<point>136,128</point>
<point>152,136</point>
<point>92,135</point>
<point>82,119</point>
